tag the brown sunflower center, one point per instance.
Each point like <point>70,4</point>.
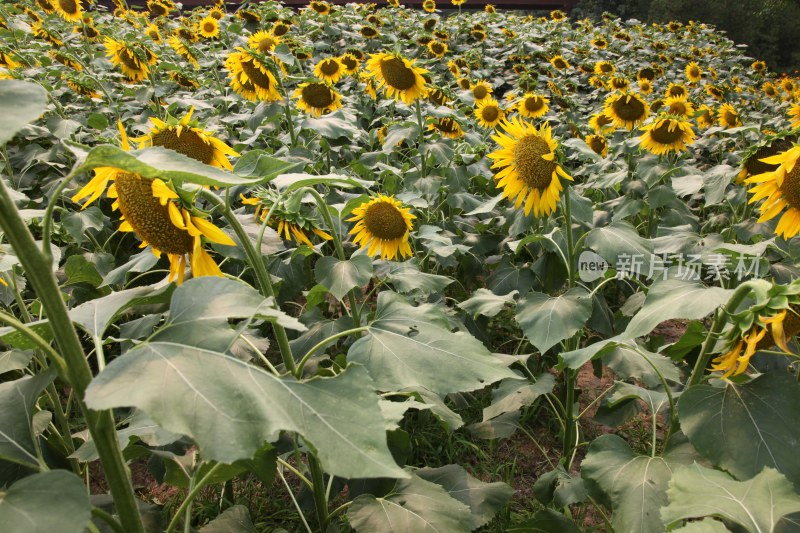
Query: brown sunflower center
<point>209,27</point>
<point>69,7</point>
<point>534,103</point>
<point>256,76</point>
<point>677,91</point>
<point>534,171</point>
<point>480,92</point>
<point>677,108</point>
<point>397,74</point>
<point>319,7</point>
<point>447,125</point>
<point>189,143</point>
<point>790,188</point>
<point>385,221</point>
<point>694,72</point>
<point>437,96</point>
<point>605,68</point>
<point>559,63</point>
<point>368,31</point>
<point>437,48</point>
<point>280,29</point>
<point>329,67</point>
<point>149,219</point>
<point>628,108</point>
<point>647,74</point>
<point>158,9</point>
<point>662,134</point>
<point>730,117</point>
<point>597,144</point>
<point>490,113</point>
<point>127,58</point>
<point>265,44</point>
<point>317,95</point>
<point>349,63</point>
<point>755,166</point>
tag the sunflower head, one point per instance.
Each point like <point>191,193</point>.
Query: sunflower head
<point>292,219</point>
<point>598,144</point>
<point>429,6</point>
<point>602,123</point>
<point>208,27</point>
<point>728,117</point>
<point>751,161</point>
<point>678,106</point>
<point>559,62</point>
<point>134,61</point>
<point>69,10</point>
<point>437,48</point>
<point>676,90</point>
<point>780,190</point>
<point>437,96</point>
<point>488,113</point>
<point>604,68</point>
<point>250,77</point>
<point>263,42</point>
<point>323,8</point>
<point>248,15</point>
<point>368,32</point>
<point>626,110</point>
<point>383,226</point>
<point>769,89</point>
<point>533,105</point>
<point>759,66</point>
<point>693,72</point>
<point>600,43</point>
<point>704,117</point>
<point>448,127</point>
<point>646,73</point>
<point>481,90</point>
<point>330,69</point>
<point>667,134</point>
<point>619,83</point>
<point>317,98</point>
<point>398,76</point>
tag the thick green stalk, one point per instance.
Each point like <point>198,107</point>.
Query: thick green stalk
<point>318,488</point>
<point>101,423</point>
<point>570,420</point>
<point>423,157</point>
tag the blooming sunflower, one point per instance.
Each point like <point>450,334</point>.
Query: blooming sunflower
<point>728,117</point>
<point>398,76</point>
<point>437,48</point>
<point>83,87</point>
<point>429,6</point>
<point>704,117</point>
<point>667,134</point>
<point>156,213</point>
<point>152,32</point>
<point>598,144</point>
<point>250,77</point>
<point>248,16</point>
<point>157,8</point>
<point>330,70</point>
<point>7,61</point>
<point>645,87</point>
<point>794,115</point>
<point>69,10</point>
<point>559,63</point>
<point>680,107</point>
<point>676,89</point>
<point>599,43</point>
<point>646,73</point>
<point>693,72</point>
<point>317,98</point>
<point>558,15</point>
<point>263,41</point>
<point>292,220</point>
<point>183,50</point>
<point>781,188</point>
<point>758,66</point>
<point>383,226</point>
<point>185,137</point>
<point>350,63</point>
<point>751,161</point>
<point>604,68</point>
<point>601,123</point>
<point>134,62</point>
<point>489,8</point>
<point>209,27</point>
<point>788,85</point>
<point>280,28</point>
<point>217,12</point>
<point>488,113</point>
<point>533,105</point>
<point>480,90</point>
<point>448,127</point>
<point>437,96</point>
<point>46,6</point>
<point>529,172</point>
<point>626,110</point>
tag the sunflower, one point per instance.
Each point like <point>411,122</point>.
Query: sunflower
<point>263,41</point>
<point>680,107</point>
<point>667,134</point>
<point>448,127</point>
<point>83,87</point>
<point>781,188</point>
<point>183,80</point>
<point>704,117</point>
<point>429,6</point>
<point>323,8</point>
<point>478,35</point>
<point>7,61</point>
<point>183,50</point>
<point>533,105</point>
<point>759,66</point>
<point>693,72</point>
<point>280,28</point>
<point>626,110</point>
<point>248,16</point>
<point>65,60</point>
<point>600,43</point>
<point>646,73</point>
<point>291,220</point>
<point>157,214</point>
<point>715,92</point>
<point>794,115</point>
<point>250,77</point>
<point>217,12</point>
<point>188,139</point>
<point>152,32</point>
<point>368,32</point>
<point>598,144</point>
<point>558,15</point>
<point>488,113</point>
<point>769,89</point>
<point>619,83</point>
<point>383,226</point>
<point>676,89</point>
<point>529,172</point>
<point>157,8</point>
<point>480,90</point>
<point>437,96</point>
<point>728,117</point>
<point>317,98</point>
<point>457,2</point>
<point>604,68</point>
<point>134,62</point>
<point>559,63</point>
<point>788,85</point>
<point>489,8</point>
<point>437,48</point>
<point>752,163</point>
<point>69,10</point>
<point>645,87</point>
<point>208,27</point>
<point>601,123</point>
<point>330,70</point>
<point>398,76</point>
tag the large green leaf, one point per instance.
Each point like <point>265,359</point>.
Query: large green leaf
<point>743,428</point>
<point>413,506</point>
<point>233,520</point>
<point>547,320</point>
<point>96,315</point>
<point>621,245</point>
<point>756,504</point>
<point>486,303</point>
<point>545,521</point>
<point>341,276</point>
<point>262,165</point>
<point>411,346</point>
<point>483,499</point>
<point>706,525</point>
<point>21,102</point>
<point>636,485</point>
<point>231,408</point>
<point>634,361</point>
<point>17,399</point>
<point>675,298</point>
<point>513,395</point>
<point>44,503</point>
<point>14,360</point>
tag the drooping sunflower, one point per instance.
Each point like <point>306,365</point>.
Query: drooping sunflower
<point>317,98</point>
<point>715,92</point>
<point>559,62</point>
<point>350,63</point>
<point>7,61</point>
<point>598,144</point>
<point>159,8</point>
<point>152,32</point>
<point>693,72</point>
<point>183,50</point>
<point>208,27</point>
<point>680,107</point>
<point>330,70</point>
<point>134,62</point>
<point>480,90</point>
<point>437,96</point>
<point>676,89</point>
<point>704,117</point>
<point>752,164</point>
<point>488,113</point>
<point>437,48</point>
<point>383,226</point>
<point>600,43</point>
<point>398,76</point>
<point>626,110</point>
<point>619,83</point>
<point>448,127</point>
<point>184,80</point>
<point>187,138</point>
<point>533,105</point>
<point>667,134</point>
<point>69,10</point>
<point>292,220</point>
<point>780,190</point>
<point>154,211</point>
<point>84,87</point>
<point>280,28</point>
<point>529,173</point>
<point>46,6</point>
<point>759,66</point>
<point>558,15</point>
<point>602,123</point>
<point>250,77</point>
<point>65,60</point>
<point>604,68</point>
<point>323,8</point>
<point>728,117</point>
<point>248,15</point>
<point>368,32</point>
<point>489,8</point>
<point>263,41</point>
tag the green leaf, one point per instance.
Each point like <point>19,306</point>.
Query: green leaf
<point>484,499</point>
<point>79,270</point>
<point>97,315</point>
<point>706,525</point>
<point>405,342</point>
<point>159,162</point>
<point>235,519</point>
<point>260,164</point>
<point>78,223</point>
<point>486,303</point>
<point>333,126</point>
<point>341,276</point>
<point>636,485</point>
<point>291,182</point>
<point>559,487</point>
<point>231,408</point>
<point>756,504</point>
<point>21,102</point>
<point>513,395</point>
<point>407,277</point>
<point>499,427</point>
<point>17,401</point>
<point>547,320</point>
<point>636,362</point>
<point>413,506</point>
<point>140,427</point>
<point>545,521</point>
<point>620,244</point>
<point>744,428</point>
<point>674,298</point>
<point>43,503</point>
<point>14,360</point>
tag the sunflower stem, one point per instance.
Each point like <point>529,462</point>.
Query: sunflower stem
<point>256,262</point>
<point>318,486</point>
<point>77,371</point>
<point>571,431</point>
<point>423,157</point>
<point>290,121</point>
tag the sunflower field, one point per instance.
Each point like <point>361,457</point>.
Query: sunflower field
<point>378,269</point>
